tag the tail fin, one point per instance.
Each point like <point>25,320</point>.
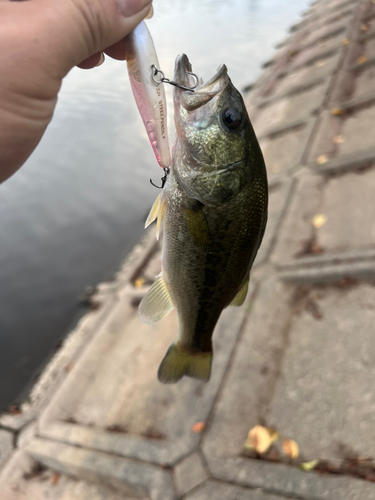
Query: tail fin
<point>178,362</point>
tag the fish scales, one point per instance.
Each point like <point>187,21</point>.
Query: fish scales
<point>213,210</point>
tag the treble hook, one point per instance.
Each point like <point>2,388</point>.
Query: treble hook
<point>163,179</point>
<point>163,79</point>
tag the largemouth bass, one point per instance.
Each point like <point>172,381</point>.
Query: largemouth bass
<point>213,210</point>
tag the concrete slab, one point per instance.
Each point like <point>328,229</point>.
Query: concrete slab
<point>24,478</point>
<point>284,151</point>
<point>340,203</point>
<point>348,205</point>
<point>6,445</point>
<point>324,397</point>
<point>297,233</point>
<point>217,490</point>
<point>267,350</point>
<point>247,391</point>
<point>289,110</point>
<point>303,76</point>
<point>190,473</point>
<point>132,478</point>
<point>289,481</point>
<point>112,400</point>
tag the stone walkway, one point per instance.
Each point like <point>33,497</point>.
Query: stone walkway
<point>299,356</point>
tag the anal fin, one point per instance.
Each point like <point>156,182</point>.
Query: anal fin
<point>240,297</point>
<point>156,303</point>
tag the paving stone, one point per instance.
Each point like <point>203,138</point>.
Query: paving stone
<point>297,230</point>
<point>288,110</point>
<point>132,478</point>
<point>306,74</point>
<point>113,401</point>
<point>327,31</point>
<point>247,391</point>
<point>356,131</point>
<point>255,389</point>
<point>6,445</point>
<point>221,491</point>
<point>290,481</point>
<point>341,202</point>
<point>23,478</point>
<point>284,151</point>
<point>316,52</point>
<point>348,204</point>
<point>324,397</point>
<point>189,473</point>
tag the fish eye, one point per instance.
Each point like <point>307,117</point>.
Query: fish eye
<point>231,118</point>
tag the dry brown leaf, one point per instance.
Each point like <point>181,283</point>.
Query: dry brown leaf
<point>55,478</point>
<point>319,220</point>
<point>259,439</point>
<point>337,111</point>
<point>308,466</point>
<point>345,42</point>
<point>322,159</point>
<point>139,282</point>
<point>338,139</point>
<point>290,448</point>
<point>361,59</point>
<point>198,427</point>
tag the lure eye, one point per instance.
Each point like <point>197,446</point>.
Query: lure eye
<point>231,117</point>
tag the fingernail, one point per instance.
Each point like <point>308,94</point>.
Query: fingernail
<point>101,60</point>
<point>131,7</point>
<point>150,13</point>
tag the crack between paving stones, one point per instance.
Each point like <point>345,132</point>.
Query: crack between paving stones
<point>162,467</point>
<point>272,491</point>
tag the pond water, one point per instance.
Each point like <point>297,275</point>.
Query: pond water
<point>77,207</point>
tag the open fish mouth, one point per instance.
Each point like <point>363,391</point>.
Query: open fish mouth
<point>183,75</point>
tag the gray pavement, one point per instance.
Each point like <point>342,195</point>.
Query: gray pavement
<point>297,357</point>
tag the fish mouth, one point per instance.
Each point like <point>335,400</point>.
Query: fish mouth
<point>183,75</point>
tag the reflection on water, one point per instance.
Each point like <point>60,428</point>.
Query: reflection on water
<point>77,207</point>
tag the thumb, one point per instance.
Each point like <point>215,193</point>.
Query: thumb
<point>70,31</point>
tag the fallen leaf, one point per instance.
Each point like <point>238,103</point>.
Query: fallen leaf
<point>345,42</point>
<point>308,466</point>
<point>290,448</point>
<point>322,159</point>
<point>198,427</point>
<point>139,282</point>
<point>361,59</point>
<point>338,139</point>
<point>55,478</point>
<point>319,220</point>
<point>337,111</point>
<point>259,439</point>
<point>364,27</point>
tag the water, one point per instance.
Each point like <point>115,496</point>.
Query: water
<point>74,211</point>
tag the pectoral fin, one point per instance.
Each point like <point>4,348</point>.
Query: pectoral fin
<point>239,299</point>
<point>156,211</point>
<point>198,227</point>
<point>156,303</point>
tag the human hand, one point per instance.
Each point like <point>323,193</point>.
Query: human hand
<point>40,41</point>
